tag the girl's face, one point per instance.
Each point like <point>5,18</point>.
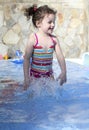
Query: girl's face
<point>47,24</point>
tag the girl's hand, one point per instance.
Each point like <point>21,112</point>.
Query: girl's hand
<point>62,78</point>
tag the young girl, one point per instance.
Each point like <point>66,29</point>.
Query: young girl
<point>41,45</point>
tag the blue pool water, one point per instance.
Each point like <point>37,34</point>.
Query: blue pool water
<point>45,105</point>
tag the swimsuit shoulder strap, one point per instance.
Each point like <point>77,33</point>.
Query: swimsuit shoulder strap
<point>53,40</point>
<point>36,40</point>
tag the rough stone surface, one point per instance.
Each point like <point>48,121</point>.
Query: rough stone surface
<point>72,25</point>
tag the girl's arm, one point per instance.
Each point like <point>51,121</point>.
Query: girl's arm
<point>26,64</point>
<point>61,61</point>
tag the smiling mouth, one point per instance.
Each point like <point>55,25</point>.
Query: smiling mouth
<point>51,29</point>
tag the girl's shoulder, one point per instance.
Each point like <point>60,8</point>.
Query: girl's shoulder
<point>32,38</point>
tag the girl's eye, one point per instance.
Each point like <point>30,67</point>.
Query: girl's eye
<point>49,22</point>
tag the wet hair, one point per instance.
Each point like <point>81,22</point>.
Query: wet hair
<point>38,13</point>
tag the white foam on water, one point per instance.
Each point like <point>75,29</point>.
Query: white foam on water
<point>40,88</point>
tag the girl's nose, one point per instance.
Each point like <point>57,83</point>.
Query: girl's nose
<point>52,24</point>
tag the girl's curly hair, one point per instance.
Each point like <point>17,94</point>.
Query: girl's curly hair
<point>38,13</point>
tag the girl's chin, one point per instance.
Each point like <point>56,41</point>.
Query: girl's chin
<point>50,32</point>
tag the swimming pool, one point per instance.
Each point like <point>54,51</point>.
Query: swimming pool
<point>45,105</point>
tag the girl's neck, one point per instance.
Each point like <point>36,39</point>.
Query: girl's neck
<point>41,33</point>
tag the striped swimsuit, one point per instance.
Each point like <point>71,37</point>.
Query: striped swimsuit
<point>41,65</point>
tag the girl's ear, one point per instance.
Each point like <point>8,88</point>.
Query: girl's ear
<point>38,23</point>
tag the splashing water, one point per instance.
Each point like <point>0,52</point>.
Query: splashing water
<point>45,105</point>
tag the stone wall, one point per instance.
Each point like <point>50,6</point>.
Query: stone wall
<point>72,26</point>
